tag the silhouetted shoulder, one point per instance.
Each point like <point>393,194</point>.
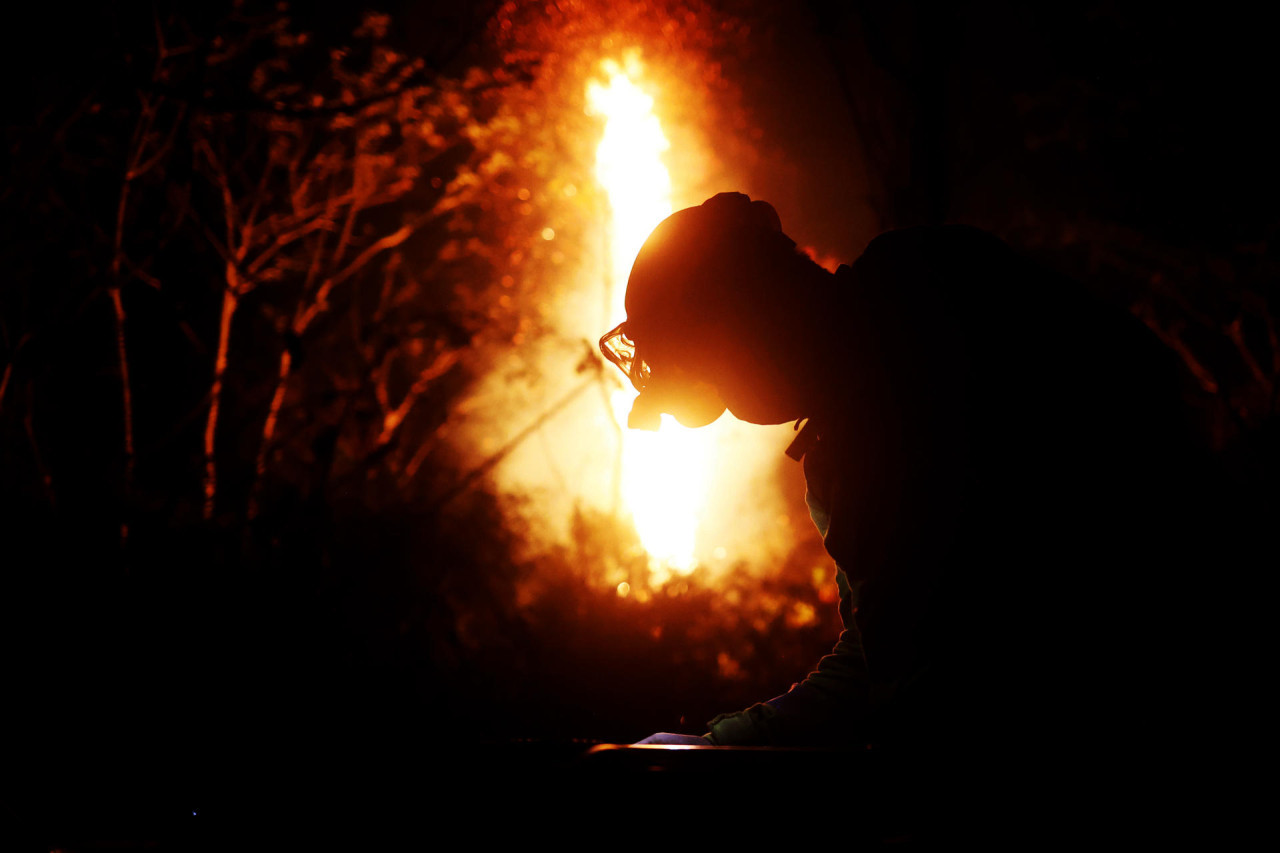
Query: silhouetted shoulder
<point>963,264</point>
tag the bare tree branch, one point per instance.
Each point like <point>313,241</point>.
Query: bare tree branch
<point>1173,340</point>
<point>229,300</point>
<point>1235,332</point>
<point>515,441</point>
<point>320,304</point>
<point>269,431</point>
<point>393,418</point>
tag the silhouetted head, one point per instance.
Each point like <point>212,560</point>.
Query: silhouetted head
<point>718,305</point>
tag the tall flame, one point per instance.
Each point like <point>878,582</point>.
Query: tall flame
<point>665,475</point>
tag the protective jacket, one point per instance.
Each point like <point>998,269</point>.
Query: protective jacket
<point>1005,476</point>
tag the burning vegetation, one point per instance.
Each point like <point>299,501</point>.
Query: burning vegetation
<point>346,302</point>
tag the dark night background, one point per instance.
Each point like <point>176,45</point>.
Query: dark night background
<point>352,600</point>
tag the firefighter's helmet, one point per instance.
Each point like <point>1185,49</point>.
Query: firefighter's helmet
<point>688,282</point>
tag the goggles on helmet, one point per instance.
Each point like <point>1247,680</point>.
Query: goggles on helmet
<point>620,350</point>
<point>691,401</point>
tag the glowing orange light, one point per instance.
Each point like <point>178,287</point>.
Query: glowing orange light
<point>665,475</point>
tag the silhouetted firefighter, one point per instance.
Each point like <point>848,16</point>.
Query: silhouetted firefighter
<point>1001,467</point>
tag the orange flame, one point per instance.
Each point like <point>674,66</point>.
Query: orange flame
<point>709,499</point>
<point>665,475</point>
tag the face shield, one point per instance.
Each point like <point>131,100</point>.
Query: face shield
<point>670,389</point>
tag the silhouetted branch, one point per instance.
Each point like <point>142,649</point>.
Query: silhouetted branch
<point>320,303</point>
<point>127,400</point>
<point>269,430</point>
<point>1173,340</point>
<point>1236,334</point>
<point>515,441</point>
<point>394,417</point>
<point>218,105</point>
<point>140,162</point>
<point>229,302</point>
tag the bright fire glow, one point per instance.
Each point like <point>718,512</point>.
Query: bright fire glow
<point>665,475</point>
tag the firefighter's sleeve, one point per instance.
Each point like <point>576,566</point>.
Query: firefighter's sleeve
<point>827,708</point>
<point>830,706</point>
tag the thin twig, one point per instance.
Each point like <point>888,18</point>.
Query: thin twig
<point>393,418</point>
<point>215,400</point>
<point>269,430</point>
<point>284,239</point>
<point>1172,340</point>
<point>138,272</point>
<point>419,456</point>
<point>163,149</point>
<point>1234,330</point>
<point>141,135</point>
<point>390,241</point>
<point>503,452</point>
<point>419,81</point>
<point>127,395</point>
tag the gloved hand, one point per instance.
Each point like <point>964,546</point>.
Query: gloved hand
<point>671,739</point>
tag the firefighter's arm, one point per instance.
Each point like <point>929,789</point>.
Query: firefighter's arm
<point>827,708</point>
